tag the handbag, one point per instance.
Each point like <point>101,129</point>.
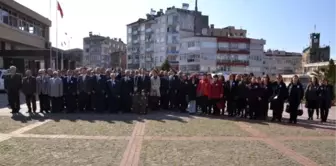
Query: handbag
<point>300,111</point>
<point>287,108</point>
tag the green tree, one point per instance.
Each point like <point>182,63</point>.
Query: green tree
<point>331,72</point>
<point>165,66</point>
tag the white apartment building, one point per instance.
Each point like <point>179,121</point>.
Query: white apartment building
<point>198,54</point>
<point>221,54</point>
<point>282,62</point>
<point>97,50</point>
<point>152,40</point>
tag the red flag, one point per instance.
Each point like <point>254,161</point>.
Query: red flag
<point>59,8</point>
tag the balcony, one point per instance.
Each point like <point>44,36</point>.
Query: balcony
<point>149,59</point>
<point>233,62</point>
<point>135,32</point>
<point>150,49</point>
<point>172,52</point>
<point>149,30</point>
<point>135,51</point>
<point>135,41</point>
<point>136,61</point>
<point>230,51</point>
<point>172,42</point>
<point>150,40</point>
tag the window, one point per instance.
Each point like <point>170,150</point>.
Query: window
<point>5,17</point>
<point>242,58</point>
<point>142,37</point>
<point>242,46</point>
<point>175,19</point>
<point>191,44</point>
<point>209,44</point>
<point>162,29</point>
<point>129,30</point>
<point>174,39</point>
<point>223,45</point>
<point>162,39</point>
<point>234,45</point>
<point>142,27</point>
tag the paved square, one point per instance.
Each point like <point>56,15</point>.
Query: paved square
<point>194,127</point>
<point>321,151</point>
<point>160,138</point>
<point>283,129</point>
<point>87,128</point>
<point>7,124</point>
<point>167,153</point>
<point>65,152</point>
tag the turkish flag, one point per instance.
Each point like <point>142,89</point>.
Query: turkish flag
<point>59,8</point>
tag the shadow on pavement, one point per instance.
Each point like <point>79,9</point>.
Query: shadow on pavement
<point>161,116</point>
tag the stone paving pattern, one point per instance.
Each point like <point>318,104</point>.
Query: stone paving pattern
<point>163,139</point>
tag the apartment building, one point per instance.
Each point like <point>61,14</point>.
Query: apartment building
<point>281,62</point>
<point>224,54</point>
<point>152,40</point>
<point>98,50</point>
<point>229,31</point>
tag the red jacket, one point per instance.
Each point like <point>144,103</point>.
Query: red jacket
<point>203,87</point>
<point>216,90</point>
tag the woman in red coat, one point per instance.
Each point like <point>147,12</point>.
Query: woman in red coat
<point>215,94</point>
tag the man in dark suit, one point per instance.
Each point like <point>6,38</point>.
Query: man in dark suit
<point>127,90</point>
<point>29,90</point>
<point>164,100</point>
<point>145,82</point>
<point>85,89</point>
<point>13,84</point>
<point>99,89</point>
<point>70,87</point>
<point>113,93</point>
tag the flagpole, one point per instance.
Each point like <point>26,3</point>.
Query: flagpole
<point>50,46</point>
<point>56,40</point>
<point>62,67</point>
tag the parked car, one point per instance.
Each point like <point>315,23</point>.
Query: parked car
<point>2,79</point>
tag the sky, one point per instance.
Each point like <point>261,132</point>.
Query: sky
<point>284,24</point>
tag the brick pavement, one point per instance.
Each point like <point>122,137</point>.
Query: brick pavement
<point>132,152</point>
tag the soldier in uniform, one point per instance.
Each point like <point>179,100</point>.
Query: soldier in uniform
<point>29,90</point>
<point>13,84</point>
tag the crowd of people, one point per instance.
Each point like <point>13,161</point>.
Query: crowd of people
<point>123,91</point>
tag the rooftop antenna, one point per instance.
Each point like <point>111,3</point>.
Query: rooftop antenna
<point>314,28</point>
